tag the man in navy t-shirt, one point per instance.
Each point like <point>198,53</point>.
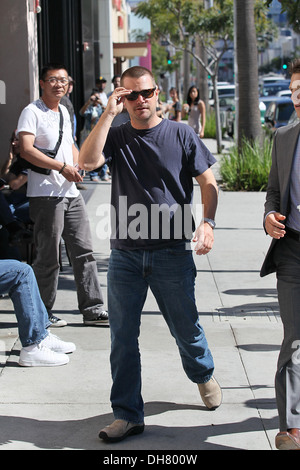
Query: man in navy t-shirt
<point>153,163</point>
<point>152,172</point>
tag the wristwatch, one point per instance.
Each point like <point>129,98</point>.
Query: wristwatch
<point>211,222</point>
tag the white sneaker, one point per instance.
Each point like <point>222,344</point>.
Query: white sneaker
<point>56,344</point>
<point>39,356</point>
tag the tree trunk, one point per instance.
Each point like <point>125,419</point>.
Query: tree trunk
<point>214,78</point>
<point>249,125</point>
<point>202,80</point>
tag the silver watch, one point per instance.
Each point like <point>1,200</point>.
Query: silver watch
<point>211,222</point>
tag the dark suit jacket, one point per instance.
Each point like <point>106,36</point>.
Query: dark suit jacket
<point>278,190</point>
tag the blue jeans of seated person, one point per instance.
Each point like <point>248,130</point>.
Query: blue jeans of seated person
<point>6,216</point>
<point>18,280</point>
<point>13,207</point>
<point>170,274</point>
<point>100,172</point>
<point>19,206</point>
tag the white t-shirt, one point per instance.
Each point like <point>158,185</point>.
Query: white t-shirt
<point>39,120</point>
<point>103,98</point>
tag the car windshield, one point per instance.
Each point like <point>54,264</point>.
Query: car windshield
<point>270,90</point>
<point>226,101</point>
<point>226,91</point>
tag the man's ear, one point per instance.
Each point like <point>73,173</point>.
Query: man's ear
<point>157,91</point>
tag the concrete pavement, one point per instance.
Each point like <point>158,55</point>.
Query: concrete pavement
<point>65,407</point>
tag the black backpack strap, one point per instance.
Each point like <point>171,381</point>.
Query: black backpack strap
<point>49,153</point>
<point>61,125</point>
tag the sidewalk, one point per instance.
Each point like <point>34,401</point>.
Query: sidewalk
<point>65,407</point>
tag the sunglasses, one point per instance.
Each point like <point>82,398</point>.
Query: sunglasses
<point>144,93</point>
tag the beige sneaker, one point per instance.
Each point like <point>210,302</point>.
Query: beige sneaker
<point>211,394</point>
<point>119,430</point>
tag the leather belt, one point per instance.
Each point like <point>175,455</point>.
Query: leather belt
<point>292,234</point>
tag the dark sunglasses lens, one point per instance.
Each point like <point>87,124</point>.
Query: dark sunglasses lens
<point>144,93</point>
<point>147,93</point>
<point>133,96</point>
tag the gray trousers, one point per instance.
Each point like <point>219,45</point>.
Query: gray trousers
<point>55,218</point>
<point>287,380</point>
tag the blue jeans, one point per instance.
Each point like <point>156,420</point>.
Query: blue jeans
<point>18,280</point>
<point>102,171</point>
<point>6,215</point>
<point>170,274</point>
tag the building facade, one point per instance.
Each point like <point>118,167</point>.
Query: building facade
<point>89,36</point>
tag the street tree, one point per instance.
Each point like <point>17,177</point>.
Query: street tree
<point>248,122</point>
<point>292,8</point>
<point>181,23</point>
<point>184,23</point>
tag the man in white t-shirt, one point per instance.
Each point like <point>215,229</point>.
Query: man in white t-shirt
<point>56,206</point>
<point>101,84</point>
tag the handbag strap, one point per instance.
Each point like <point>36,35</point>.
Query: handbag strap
<point>61,124</point>
<point>55,150</point>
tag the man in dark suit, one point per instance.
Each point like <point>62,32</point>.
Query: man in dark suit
<point>282,223</point>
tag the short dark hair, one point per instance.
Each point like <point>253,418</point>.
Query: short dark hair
<point>51,66</point>
<point>294,66</point>
<point>136,72</point>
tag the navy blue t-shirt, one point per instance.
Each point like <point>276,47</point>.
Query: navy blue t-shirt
<point>152,183</point>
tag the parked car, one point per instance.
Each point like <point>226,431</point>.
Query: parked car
<point>293,118</point>
<point>271,89</point>
<point>270,78</point>
<point>226,106</point>
<point>284,93</point>
<point>278,112</point>
<point>227,113</point>
<point>264,102</point>
<point>223,90</point>
<point>230,121</point>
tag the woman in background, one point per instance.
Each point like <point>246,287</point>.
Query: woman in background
<point>174,108</point>
<point>195,108</point>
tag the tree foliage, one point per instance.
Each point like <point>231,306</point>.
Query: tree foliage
<point>182,23</point>
<point>180,20</point>
<point>292,8</point>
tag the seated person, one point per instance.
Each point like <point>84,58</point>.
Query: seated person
<point>14,205</point>
<point>15,176</point>
<point>39,347</point>
<point>16,230</point>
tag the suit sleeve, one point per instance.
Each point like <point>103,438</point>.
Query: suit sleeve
<point>272,203</point>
